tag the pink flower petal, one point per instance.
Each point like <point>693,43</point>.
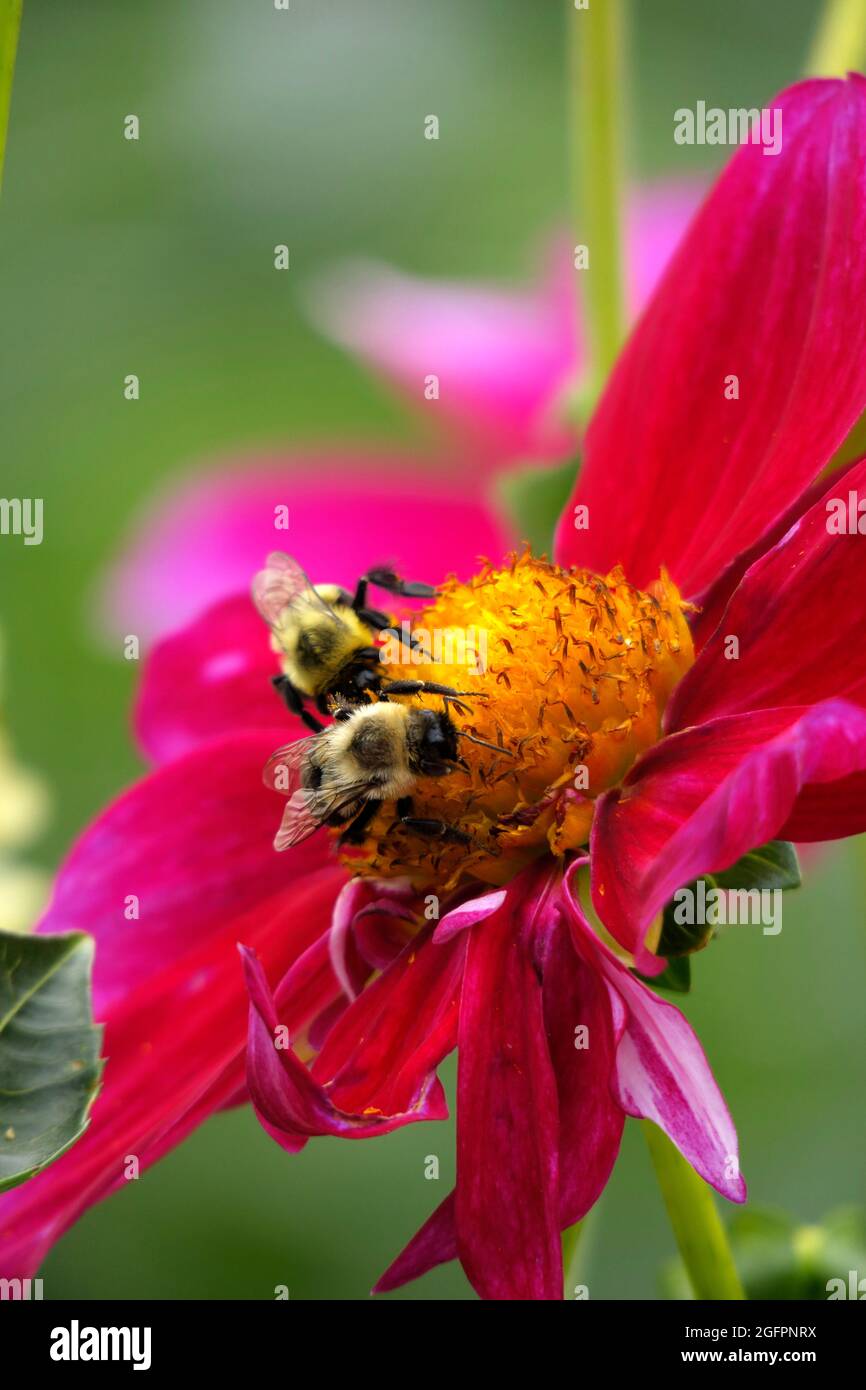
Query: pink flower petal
<point>468,913</point>
<point>714,599</point>
<point>211,678</point>
<point>661,1073</point>
<point>701,799</point>
<point>507,1205</point>
<point>503,357</point>
<point>188,849</point>
<point>288,1097</point>
<point>173,1044</point>
<point>798,616</point>
<point>434,1244</point>
<point>204,541</point>
<point>590,1120</point>
<point>500,356</point>
<point>768,286</point>
<point>384,1049</point>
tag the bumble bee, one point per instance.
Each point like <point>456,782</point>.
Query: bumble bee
<point>373,753</point>
<point>323,635</point>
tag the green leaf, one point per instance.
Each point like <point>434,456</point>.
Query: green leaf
<point>773,866</point>
<point>535,497</point>
<point>49,1049</point>
<point>676,977</point>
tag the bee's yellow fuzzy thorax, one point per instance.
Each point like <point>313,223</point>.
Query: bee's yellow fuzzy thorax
<point>578,672</point>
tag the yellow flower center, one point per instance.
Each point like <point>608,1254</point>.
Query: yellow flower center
<point>570,674</point>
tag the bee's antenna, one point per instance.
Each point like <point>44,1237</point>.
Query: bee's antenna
<point>494,747</point>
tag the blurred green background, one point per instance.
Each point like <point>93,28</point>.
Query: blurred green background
<point>156,257</point>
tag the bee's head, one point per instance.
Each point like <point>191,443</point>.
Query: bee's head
<point>432,743</point>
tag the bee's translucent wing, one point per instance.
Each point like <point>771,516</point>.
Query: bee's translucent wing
<point>299,821</point>
<point>281,584</point>
<point>307,807</point>
<point>284,767</point>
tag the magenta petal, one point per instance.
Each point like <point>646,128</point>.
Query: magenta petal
<point>590,1120</point>
<point>714,600</point>
<point>177,857</point>
<point>767,286</point>
<point>204,542</point>
<point>661,1073</point>
<point>284,1091</point>
<point>174,1046</point>
<point>501,356</point>
<point>383,1050</point>
<point>701,799</point>
<point>798,615</point>
<point>468,913</point>
<point>210,678</point>
<point>507,1205</point>
<point>434,1244</point>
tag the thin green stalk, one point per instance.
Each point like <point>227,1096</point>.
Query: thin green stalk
<point>570,1246</point>
<point>10,24</point>
<point>578,1243</point>
<point>596,44</point>
<point>840,40</point>
<point>696,1224</point>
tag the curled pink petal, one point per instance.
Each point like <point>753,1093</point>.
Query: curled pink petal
<point>468,913</point>
<point>383,1050</point>
<point>290,1099</point>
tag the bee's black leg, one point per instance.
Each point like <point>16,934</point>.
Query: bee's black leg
<point>392,583</point>
<point>408,638</point>
<point>354,832</point>
<point>432,688</point>
<point>435,829</point>
<point>376,621</point>
<point>295,702</point>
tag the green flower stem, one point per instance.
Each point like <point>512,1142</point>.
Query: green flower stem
<point>596,41</point>
<point>570,1247</point>
<point>840,40</point>
<point>10,24</point>
<point>578,1243</point>
<point>699,1232</point>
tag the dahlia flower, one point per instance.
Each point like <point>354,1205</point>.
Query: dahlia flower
<point>641,747</point>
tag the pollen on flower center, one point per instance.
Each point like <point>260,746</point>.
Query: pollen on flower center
<point>574,674</point>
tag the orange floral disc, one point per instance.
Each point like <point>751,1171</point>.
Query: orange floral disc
<point>571,673</point>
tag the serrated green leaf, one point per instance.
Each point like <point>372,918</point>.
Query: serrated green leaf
<point>49,1049</point>
<point>534,498</point>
